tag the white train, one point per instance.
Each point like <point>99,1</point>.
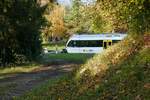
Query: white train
<point>92,43</point>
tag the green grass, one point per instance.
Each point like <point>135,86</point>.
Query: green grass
<point>77,58</point>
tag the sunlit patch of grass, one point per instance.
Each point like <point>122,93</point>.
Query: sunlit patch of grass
<point>4,72</point>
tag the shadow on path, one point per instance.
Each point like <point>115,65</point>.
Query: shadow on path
<point>19,83</point>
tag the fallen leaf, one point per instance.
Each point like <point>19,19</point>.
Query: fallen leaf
<point>147,86</point>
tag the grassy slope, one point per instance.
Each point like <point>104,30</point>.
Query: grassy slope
<point>128,80</point>
<point>121,72</point>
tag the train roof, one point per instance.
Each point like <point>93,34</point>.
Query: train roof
<point>104,36</point>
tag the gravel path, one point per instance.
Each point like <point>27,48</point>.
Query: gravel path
<point>18,84</point>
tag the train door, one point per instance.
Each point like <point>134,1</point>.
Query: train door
<point>107,43</point>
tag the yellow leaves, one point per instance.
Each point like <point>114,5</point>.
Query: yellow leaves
<point>57,13</point>
<point>60,98</point>
<point>56,18</point>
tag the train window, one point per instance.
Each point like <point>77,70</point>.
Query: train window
<point>115,41</point>
<point>85,43</point>
<point>109,43</point>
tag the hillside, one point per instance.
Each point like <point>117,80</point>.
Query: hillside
<point>121,72</point>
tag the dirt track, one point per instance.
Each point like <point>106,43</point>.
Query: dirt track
<point>20,83</point>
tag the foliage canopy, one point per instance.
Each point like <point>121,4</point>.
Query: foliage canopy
<point>19,30</point>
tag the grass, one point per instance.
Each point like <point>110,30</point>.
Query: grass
<point>44,87</point>
<point>4,72</point>
<point>121,72</point>
<point>76,58</point>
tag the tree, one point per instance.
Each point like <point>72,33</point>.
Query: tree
<point>57,29</point>
<point>19,29</point>
<point>72,19</point>
<point>46,32</point>
<point>76,10</point>
<point>56,18</point>
<point>132,13</point>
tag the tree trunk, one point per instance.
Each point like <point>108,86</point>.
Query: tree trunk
<point>4,57</point>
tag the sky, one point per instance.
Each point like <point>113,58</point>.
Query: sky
<point>65,2</point>
<point>68,2</point>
